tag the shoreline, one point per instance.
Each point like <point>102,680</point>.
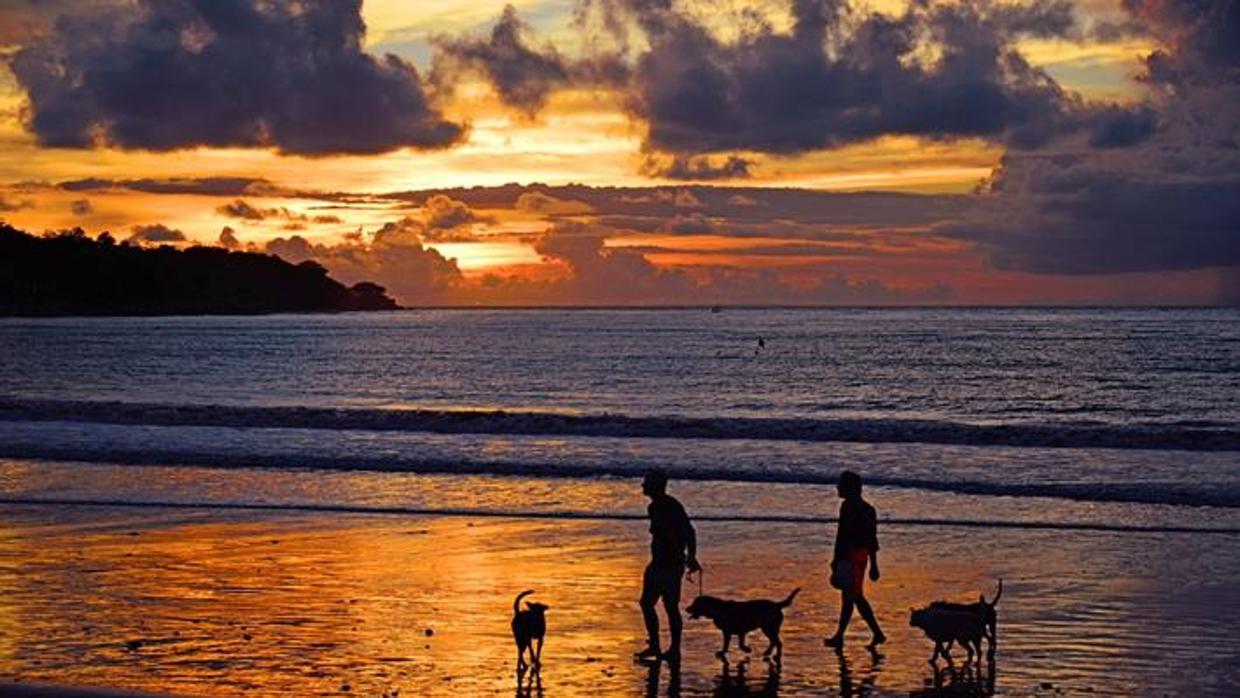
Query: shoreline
<point>278,603</point>
<point>529,514</point>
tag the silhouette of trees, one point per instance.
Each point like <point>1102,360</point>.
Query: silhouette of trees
<point>68,273</point>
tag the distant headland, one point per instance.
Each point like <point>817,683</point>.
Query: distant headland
<point>71,274</point>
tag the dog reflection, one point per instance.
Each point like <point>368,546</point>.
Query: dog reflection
<point>971,680</point>
<point>735,684</point>
<point>529,682</point>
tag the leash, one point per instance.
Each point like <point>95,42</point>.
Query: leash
<point>700,575</point>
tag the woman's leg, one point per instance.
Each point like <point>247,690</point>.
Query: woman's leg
<point>846,611</point>
<point>863,606</point>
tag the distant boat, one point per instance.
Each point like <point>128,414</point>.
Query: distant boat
<point>715,309</point>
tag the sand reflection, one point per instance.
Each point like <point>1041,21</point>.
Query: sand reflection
<point>275,605</point>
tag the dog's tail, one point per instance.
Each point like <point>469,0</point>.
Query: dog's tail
<point>999,593</point>
<point>788,601</point>
<point>516,603</point>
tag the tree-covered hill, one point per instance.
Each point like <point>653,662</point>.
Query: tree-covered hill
<point>72,274</point>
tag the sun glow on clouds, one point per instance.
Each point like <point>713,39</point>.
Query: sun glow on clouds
<point>596,135</point>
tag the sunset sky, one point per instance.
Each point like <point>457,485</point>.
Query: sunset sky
<point>647,151</point>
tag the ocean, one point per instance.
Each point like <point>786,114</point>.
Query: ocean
<point>328,504</point>
<point>1093,405</point>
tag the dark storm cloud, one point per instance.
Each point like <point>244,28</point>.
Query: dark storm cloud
<point>155,234</point>
<point>838,76</point>
<point>836,79</point>
<point>168,74</point>
<point>1201,39</point>
<point>1049,216</point>
<point>524,75</point>
<point>1116,127</point>
<point>1168,201</point>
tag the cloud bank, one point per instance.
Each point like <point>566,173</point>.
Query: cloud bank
<point>1171,203</point>
<point>169,74</point>
<point>837,76</point>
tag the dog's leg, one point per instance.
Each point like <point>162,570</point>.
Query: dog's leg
<point>727,641</point>
<point>538,653</point>
<point>740,642</point>
<point>775,647</point>
<point>520,658</point>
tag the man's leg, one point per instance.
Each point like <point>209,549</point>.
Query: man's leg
<point>671,604</point>
<point>650,596</point>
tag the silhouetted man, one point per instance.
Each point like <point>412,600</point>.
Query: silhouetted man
<point>671,534</point>
<point>856,545</point>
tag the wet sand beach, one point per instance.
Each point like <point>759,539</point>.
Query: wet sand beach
<point>265,603</point>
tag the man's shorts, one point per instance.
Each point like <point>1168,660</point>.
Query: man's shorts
<point>662,582</point>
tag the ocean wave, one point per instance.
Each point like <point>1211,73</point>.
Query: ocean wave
<point>1156,436</point>
<point>569,515</point>
<point>1213,494</point>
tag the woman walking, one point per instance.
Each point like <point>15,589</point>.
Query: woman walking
<point>856,546</point>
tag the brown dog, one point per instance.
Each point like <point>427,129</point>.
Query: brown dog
<point>742,617</point>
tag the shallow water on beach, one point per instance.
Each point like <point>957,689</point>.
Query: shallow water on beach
<point>287,505</point>
<point>308,603</point>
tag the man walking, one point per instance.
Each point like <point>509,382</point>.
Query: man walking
<point>671,535</point>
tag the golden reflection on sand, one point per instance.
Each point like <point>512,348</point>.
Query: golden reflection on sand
<point>266,605</point>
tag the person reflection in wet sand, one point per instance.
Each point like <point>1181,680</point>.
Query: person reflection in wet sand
<point>673,678</point>
<point>866,687</point>
<point>856,541</point>
<point>671,535</point>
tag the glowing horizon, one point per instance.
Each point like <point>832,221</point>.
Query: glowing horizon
<point>512,98</point>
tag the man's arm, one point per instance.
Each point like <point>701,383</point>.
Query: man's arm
<point>874,573</point>
<point>690,542</point>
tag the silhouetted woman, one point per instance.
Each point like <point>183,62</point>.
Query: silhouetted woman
<point>856,541</point>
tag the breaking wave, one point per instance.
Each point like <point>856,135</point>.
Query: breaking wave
<point>1186,436</point>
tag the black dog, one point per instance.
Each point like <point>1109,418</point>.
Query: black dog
<point>741,617</point>
<point>985,610</point>
<point>948,627</point>
<point>527,626</point>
